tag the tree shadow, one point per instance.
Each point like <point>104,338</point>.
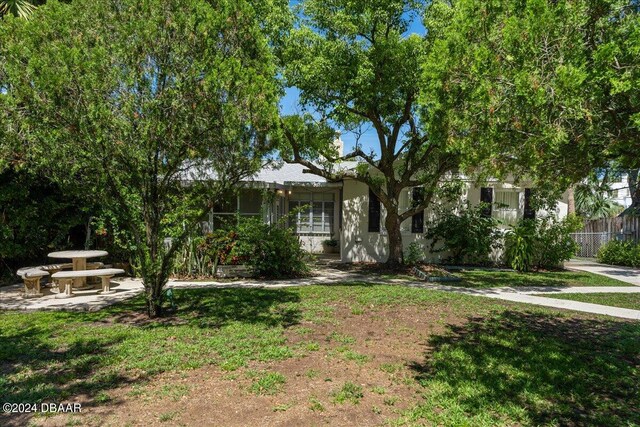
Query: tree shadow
<point>52,357</point>
<point>554,370</point>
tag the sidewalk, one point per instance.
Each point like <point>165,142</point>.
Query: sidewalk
<point>126,288</point>
<point>624,274</point>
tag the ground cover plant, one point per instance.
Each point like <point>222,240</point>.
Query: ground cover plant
<point>362,354</point>
<point>631,301</point>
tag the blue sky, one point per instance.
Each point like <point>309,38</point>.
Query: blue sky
<point>289,105</point>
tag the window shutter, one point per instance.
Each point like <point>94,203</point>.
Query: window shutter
<point>486,196</point>
<point>417,220</point>
<point>529,211</point>
<point>374,213</point>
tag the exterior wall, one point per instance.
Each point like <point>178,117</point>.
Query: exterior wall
<point>620,192</point>
<point>358,245</point>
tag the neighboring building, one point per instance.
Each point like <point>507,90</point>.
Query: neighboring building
<point>620,193</point>
<point>348,212</point>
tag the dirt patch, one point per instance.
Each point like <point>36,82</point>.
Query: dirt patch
<point>351,370</point>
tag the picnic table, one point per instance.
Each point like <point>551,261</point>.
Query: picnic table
<point>79,262</point>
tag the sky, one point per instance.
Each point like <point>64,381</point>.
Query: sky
<point>368,140</point>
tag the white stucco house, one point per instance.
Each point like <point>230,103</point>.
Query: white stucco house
<point>346,211</point>
<point>620,193</point>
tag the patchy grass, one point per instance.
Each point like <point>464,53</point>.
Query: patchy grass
<point>268,383</point>
<point>349,392</point>
<point>425,357</point>
<point>531,369</point>
<point>493,279</point>
<point>631,301</point>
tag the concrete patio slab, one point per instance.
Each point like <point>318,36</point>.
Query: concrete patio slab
<point>86,300</point>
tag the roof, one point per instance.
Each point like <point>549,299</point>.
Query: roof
<point>293,173</point>
<point>280,174</point>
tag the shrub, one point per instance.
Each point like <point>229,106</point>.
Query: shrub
<point>542,243</point>
<point>617,252</point>
<point>414,254</point>
<point>467,235</point>
<point>270,250</point>
<point>554,242</point>
<point>520,245</point>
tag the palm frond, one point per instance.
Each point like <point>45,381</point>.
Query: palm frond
<point>20,8</point>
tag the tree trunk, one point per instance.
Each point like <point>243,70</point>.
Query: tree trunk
<point>154,299</point>
<point>392,224</point>
<point>571,208</point>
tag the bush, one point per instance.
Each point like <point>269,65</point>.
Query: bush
<point>467,235</point>
<point>414,254</point>
<point>615,252</point>
<point>269,250</point>
<point>542,243</point>
<point>520,245</point>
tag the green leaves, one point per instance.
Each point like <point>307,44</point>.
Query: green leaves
<point>544,86</point>
<point>130,99</point>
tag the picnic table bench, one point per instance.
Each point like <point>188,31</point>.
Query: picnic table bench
<point>31,277</point>
<point>66,278</point>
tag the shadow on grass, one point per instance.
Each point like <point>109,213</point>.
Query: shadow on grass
<point>532,369</point>
<point>53,356</point>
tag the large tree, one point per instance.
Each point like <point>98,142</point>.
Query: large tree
<point>552,85</point>
<point>126,100</point>
<point>355,65</point>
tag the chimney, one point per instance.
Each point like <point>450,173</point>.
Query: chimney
<point>339,144</point>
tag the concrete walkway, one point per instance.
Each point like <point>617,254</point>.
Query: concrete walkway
<point>11,299</point>
<point>624,274</point>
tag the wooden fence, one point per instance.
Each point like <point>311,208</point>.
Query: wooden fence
<point>597,232</point>
<point>623,228</point>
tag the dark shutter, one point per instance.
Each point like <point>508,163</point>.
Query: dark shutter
<point>486,196</point>
<point>374,213</point>
<point>417,220</point>
<point>529,211</point>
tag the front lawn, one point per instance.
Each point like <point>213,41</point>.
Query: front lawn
<point>494,279</point>
<point>361,354</point>
<point>631,301</point>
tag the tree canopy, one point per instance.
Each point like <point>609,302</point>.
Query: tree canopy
<point>355,65</point>
<point>548,85</point>
<point>127,100</point>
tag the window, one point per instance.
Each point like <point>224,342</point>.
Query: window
<point>316,211</point>
<point>506,205</point>
<point>246,202</point>
<point>506,200</point>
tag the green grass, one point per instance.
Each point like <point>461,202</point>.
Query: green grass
<point>531,368</point>
<point>493,279</point>
<point>268,383</point>
<point>631,301</point>
<point>490,363</point>
<point>349,392</point>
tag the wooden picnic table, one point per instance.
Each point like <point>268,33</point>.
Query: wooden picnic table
<point>79,262</point>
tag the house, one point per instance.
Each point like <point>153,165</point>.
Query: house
<point>620,193</point>
<point>348,212</point>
